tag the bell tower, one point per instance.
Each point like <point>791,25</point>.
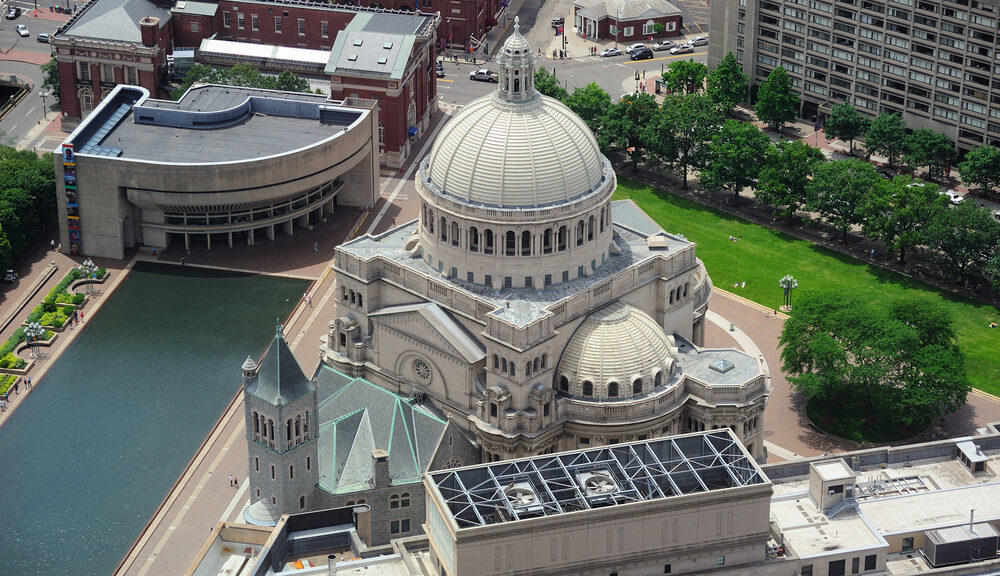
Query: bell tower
<point>282,430</point>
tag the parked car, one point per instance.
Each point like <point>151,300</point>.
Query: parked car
<point>698,41</point>
<point>483,75</point>
<point>43,37</point>
<point>22,31</point>
<point>642,54</point>
<point>13,13</point>
<point>954,196</point>
<point>557,22</point>
<point>9,276</point>
<point>681,49</point>
<point>663,45</point>
<point>635,46</point>
<point>607,52</point>
<point>885,173</point>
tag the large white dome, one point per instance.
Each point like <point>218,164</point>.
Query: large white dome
<point>516,148</point>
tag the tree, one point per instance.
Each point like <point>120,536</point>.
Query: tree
<point>27,196</point>
<point>787,169</point>
<point>6,254</point>
<point>546,83</point>
<point>590,103</point>
<point>685,76</point>
<point>837,190</point>
<point>897,211</point>
<point>727,85</point>
<point>776,102</point>
<point>926,147</point>
<point>886,136</point>
<point>732,160</point>
<point>684,126</point>
<point>964,239</point>
<point>242,75</point>
<point>625,126</point>
<point>981,168</point>
<point>50,77</point>
<point>901,365</point>
<point>845,123</point>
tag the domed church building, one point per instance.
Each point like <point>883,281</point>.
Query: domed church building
<point>525,305</point>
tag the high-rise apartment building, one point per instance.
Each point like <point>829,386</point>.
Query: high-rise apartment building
<point>933,61</point>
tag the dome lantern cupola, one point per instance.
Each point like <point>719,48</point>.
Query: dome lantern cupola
<point>517,69</point>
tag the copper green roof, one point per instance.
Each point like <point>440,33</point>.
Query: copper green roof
<point>279,378</point>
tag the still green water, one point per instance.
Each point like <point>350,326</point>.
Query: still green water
<point>87,458</point>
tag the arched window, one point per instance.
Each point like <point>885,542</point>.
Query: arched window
<point>504,364</point>
<point>394,502</point>
<point>517,84</point>
<point>474,239</point>
<point>298,425</point>
<point>544,356</point>
<point>444,229</point>
<point>547,241</point>
<point>305,424</point>
<point>288,430</point>
<point>525,243</point>
<point>381,134</point>
<point>423,217</point>
<point>361,299</point>
<point>563,238</point>
<point>602,219</point>
<point>270,429</point>
<point>354,298</point>
<point>404,500</point>
<point>588,388</point>
<point>563,384</point>
<point>302,502</point>
<point>590,229</point>
<point>612,389</point>
<point>496,362</point>
<point>256,423</point>
<point>86,101</point>
<point>430,217</point>
<point>488,243</point>
<point>513,369</point>
<point>535,367</point>
<point>579,233</point>
<point>454,233</point>
<point>658,379</point>
<point>637,386</point>
<point>527,368</point>
<point>510,243</point>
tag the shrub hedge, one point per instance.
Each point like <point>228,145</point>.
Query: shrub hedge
<point>6,381</point>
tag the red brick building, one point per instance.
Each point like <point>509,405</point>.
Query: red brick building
<point>626,21</point>
<point>112,42</point>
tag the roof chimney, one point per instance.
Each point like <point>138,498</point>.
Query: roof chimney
<point>149,26</point>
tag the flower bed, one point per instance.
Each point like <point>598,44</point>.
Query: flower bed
<point>9,360</point>
<point>59,303</point>
<point>6,382</point>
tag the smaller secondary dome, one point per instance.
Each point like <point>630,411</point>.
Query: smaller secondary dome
<point>249,365</point>
<point>617,352</point>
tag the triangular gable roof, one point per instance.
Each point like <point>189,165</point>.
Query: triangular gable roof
<point>452,331</point>
<point>357,417</point>
<point>279,377</point>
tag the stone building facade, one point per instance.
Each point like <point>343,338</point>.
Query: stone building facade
<point>530,307</point>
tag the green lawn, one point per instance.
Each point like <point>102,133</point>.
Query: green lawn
<point>763,256</point>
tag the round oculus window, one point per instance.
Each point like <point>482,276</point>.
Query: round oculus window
<point>422,369</point>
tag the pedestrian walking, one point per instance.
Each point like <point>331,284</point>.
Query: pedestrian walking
<point>3,404</point>
<point>27,382</point>
<point>309,300</point>
<point>305,297</point>
<point>59,248</point>
<point>52,244</point>
<point>315,246</point>
<point>16,384</point>
<point>643,74</point>
<point>182,260</point>
<point>236,481</point>
<point>230,479</point>
<point>81,317</point>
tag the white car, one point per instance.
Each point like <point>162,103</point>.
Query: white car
<point>698,41</point>
<point>635,46</point>
<point>663,45</point>
<point>681,49</point>
<point>610,52</point>
<point>954,196</point>
<point>22,31</point>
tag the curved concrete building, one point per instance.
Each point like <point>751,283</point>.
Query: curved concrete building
<point>220,167</point>
<point>529,306</point>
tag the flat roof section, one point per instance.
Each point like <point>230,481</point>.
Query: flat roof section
<point>595,478</point>
<point>224,124</point>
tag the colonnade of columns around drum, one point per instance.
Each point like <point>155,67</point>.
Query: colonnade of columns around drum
<point>611,389</point>
<point>515,243</point>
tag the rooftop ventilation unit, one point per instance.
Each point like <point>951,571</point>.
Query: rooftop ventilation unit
<point>598,486</point>
<point>522,498</point>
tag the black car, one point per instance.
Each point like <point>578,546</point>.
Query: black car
<point>557,22</point>
<point>13,13</point>
<point>642,54</point>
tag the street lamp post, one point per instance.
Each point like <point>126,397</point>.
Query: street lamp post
<point>33,331</point>
<point>45,113</point>
<point>618,17</point>
<point>88,270</point>
<point>788,283</point>
<point>566,83</point>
